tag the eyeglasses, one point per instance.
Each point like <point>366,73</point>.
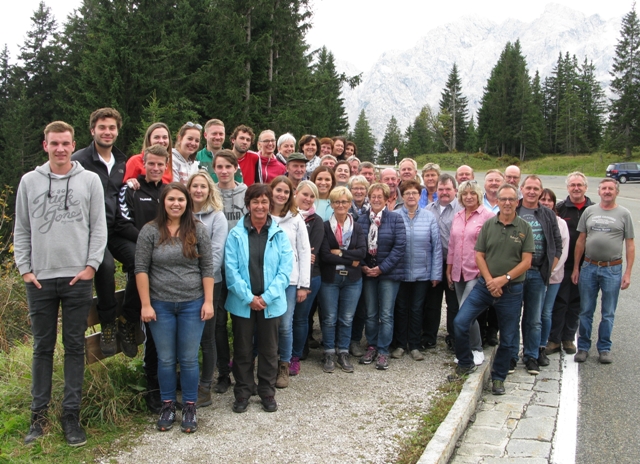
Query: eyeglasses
<point>576,185</point>
<point>267,141</point>
<point>190,124</point>
<point>412,193</point>
<point>341,202</point>
<point>507,200</point>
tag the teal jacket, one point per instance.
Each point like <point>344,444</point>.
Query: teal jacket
<point>278,265</point>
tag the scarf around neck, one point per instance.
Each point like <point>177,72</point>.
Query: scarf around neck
<point>342,232</point>
<point>372,239</point>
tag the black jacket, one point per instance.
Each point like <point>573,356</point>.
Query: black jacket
<point>136,208</point>
<point>571,214</point>
<point>356,252</point>
<point>90,160</point>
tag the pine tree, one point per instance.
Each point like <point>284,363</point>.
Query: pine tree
<point>471,144</point>
<point>454,104</point>
<point>330,117</point>
<point>419,140</point>
<point>592,100</point>
<point>392,140</point>
<point>364,139</point>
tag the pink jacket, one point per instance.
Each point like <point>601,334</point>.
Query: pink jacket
<point>462,241</point>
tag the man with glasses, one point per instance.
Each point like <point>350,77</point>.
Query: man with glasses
<point>512,176</point>
<point>565,317</point>
<point>268,165</point>
<point>503,254</point>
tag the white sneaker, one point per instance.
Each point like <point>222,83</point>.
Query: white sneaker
<point>478,357</point>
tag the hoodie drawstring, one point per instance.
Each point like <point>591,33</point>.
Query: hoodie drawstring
<point>66,193</point>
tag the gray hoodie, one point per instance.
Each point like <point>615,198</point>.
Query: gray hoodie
<point>233,204</point>
<point>61,225</point>
<point>216,225</point>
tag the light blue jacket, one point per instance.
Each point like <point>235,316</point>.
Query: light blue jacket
<point>423,252</point>
<point>278,265</point>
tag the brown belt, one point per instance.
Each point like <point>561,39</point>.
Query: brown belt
<point>615,262</point>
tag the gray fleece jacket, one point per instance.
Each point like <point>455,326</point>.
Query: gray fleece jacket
<point>61,225</point>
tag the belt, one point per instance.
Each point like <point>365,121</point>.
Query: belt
<point>615,262</point>
<point>342,272</point>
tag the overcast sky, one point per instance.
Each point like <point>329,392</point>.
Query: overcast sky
<point>357,31</point>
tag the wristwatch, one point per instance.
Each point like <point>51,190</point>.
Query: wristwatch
<point>508,277</point>
<point>340,254</point>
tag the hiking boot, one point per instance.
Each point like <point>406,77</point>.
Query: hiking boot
<point>344,363</point>
<point>605,357</point>
<point>512,366</point>
<point>36,430</point>
<point>222,385</point>
<point>282,380</point>
<point>294,366</point>
<point>382,363</point>
<point>356,350</point>
<point>240,405</point>
<point>167,416</point>
<point>417,355</point>
<point>498,387</point>
<point>543,360</point>
<point>108,342</point>
<point>398,353</point>
<point>532,366</point>
<point>462,371</point>
<point>189,419</point>
<point>369,356</point>
<point>127,336</point>
<point>328,365</point>
<point>269,404</point>
<point>581,356</point>
<point>552,347</point>
<point>492,337</point>
<point>204,398</point>
<point>569,347</point>
<point>73,431</point>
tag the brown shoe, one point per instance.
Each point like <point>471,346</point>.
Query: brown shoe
<point>552,348</point>
<point>569,347</point>
<point>282,380</point>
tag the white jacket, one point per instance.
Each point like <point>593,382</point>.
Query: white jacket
<point>296,230</point>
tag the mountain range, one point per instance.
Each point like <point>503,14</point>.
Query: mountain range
<point>401,82</point>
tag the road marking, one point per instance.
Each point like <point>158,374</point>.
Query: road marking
<point>564,440</point>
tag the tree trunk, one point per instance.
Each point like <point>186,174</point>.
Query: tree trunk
<point>247,93</point>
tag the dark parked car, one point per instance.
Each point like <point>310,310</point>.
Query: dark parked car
<point>622,172</point>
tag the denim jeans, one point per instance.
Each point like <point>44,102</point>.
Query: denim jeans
<point>547,311</point>
<point>407,322</point>
<point>208,342</point>
<point>463,289</point>
<point>380,298</point>
<point>359,319</point>
<point>533,298</point>
<point>177,331</point>
<point>43,311</point>
<point>507,309</point>
<point>593,279</point>
<point>301,318</point>
<point>285,331</point>
<point>338,301</point>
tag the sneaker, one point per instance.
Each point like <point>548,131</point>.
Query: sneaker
<point>397,353</point>
<point>73,431</point>
<point>189,418</point>
<point>167,416</point>
<point>462,371</point>
<point>240,405</point>
<point>552,347</point>
<point>328,365</point>
<point>222,385</point>
<point>36,430</point>
<point>478,357</point>
<point>417,355</point>
<point>127,336</point>
<point>282,380</point>
<point>269,404</point>
<point>204,398</point>
<point>343,361</point>
<point>605,357</point>
<point>294,366</point>
<point>569,347</point>
<point>108,343</point>
<point>543,360</point>
<point>581,356</point>
<point>382,363</point>
<point>532,366</point>
<point>512,366</point>
<point>497,387</point>
<point>369,356</point>
<point>356,350</point>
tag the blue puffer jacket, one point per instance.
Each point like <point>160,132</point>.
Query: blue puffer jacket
<point>423,252</point>
<point>391,245</point>
<point>278,265</point>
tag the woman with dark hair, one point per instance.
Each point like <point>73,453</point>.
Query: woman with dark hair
<point>174,275</point>
<point>342,171</point>
<point>285,213</point>
<point>310,148</point>
<point>258,263</point>
<point>350,149</point>
<point>339,145</point>
<point>325,180</point>
<point>184,162</point>
<point>548,199</point>
<point>157,134</point>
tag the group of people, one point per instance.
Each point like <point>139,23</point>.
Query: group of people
<point>270,237</point>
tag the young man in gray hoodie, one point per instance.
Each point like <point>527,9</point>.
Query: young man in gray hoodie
<point>59,241</point>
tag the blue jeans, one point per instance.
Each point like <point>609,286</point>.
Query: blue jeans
<point>301,318</point>
<point>338,301</point>
<point>380,298</point>
<point>508,311</point>
<point>592,279</point>
<point>44,304</point>
<point>463,289</point>
<point>177,331</point>
<point>547,311</point>
<point>533,298</point>
<point>285,331</point>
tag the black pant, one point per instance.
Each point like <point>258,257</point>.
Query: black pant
<point>125,251</point>
<point>267,341</point>
<point>221,335</point>
<point>208,341</point>
<point>433,309</point>
<point>105,286</point>
<point>565,317</point>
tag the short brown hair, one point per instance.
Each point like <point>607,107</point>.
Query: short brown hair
<point>228,155</point>
<point>326,141</point>
<point>58,127</point>
<point>103,113</point>
<point>305,139</point>
<point>256,191</point>
<point>408,184</point>
<point>386,191</point>
<point>242,128</point>
<point>157,150</point>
